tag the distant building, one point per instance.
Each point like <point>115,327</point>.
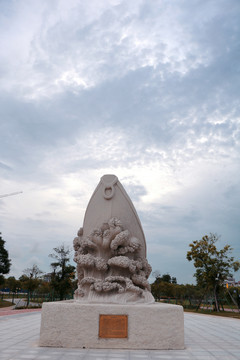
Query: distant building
<point>231,282</point>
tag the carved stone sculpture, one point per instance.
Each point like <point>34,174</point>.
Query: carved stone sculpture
<point>110,249</point>
<point>113,306</point>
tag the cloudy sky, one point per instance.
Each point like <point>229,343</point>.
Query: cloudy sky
<point>146,90</point>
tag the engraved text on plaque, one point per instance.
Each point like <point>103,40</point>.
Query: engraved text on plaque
<point>113,326</point>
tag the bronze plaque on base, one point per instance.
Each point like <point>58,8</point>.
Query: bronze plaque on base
<point>113,326</point>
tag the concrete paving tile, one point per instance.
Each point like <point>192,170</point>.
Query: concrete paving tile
<point>74,353</point>
<point>235,353</point>
<point>181,357</point>
<point>200,352</point>
<point>162,357</point>
<point>206,338</point>
<point>119,352</point>
<point>97,357</point>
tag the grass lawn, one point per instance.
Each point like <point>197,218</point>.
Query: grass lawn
<point>4,303</point>
<point>229,314</point>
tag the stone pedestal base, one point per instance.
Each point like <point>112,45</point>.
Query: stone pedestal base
<point>78,325</point>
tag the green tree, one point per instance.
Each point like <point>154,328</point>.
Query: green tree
<point>12,283</point>
<point>30,280</point>
<point>165,278</point>
<point>5,262</point>
<point>63,273</point>
<point>212,266</point>
<point>163,286</point>
<point>44,288</point>
<point>33,273</point>
<point>189,293</point>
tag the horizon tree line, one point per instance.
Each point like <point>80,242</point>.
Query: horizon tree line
<point>213,266</point>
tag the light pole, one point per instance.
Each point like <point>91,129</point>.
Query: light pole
<point>215,293</point>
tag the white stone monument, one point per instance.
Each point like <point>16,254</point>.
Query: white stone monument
<point>113,306</point>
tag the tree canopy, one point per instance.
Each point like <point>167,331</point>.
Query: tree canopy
<point>213,266</point>
<point>33,273</point>
<point>5,262</point>
<point>63,272</point>
<point>163,285</point>
<point>30,279</point>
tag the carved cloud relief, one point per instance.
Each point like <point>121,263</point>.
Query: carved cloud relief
<point>110,262</point>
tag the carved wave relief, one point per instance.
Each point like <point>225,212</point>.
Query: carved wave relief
<point>111,262</point>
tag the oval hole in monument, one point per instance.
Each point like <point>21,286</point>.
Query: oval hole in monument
<point>108,191</point>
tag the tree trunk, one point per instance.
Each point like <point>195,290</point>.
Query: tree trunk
<point>216,299</point>
<point>199,304</point>
<point>28,298</point>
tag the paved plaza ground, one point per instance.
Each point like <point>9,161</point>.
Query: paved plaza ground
<point>206,337</point>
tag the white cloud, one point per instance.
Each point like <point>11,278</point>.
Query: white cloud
<point>148,91</point>
<point>70,46</point>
